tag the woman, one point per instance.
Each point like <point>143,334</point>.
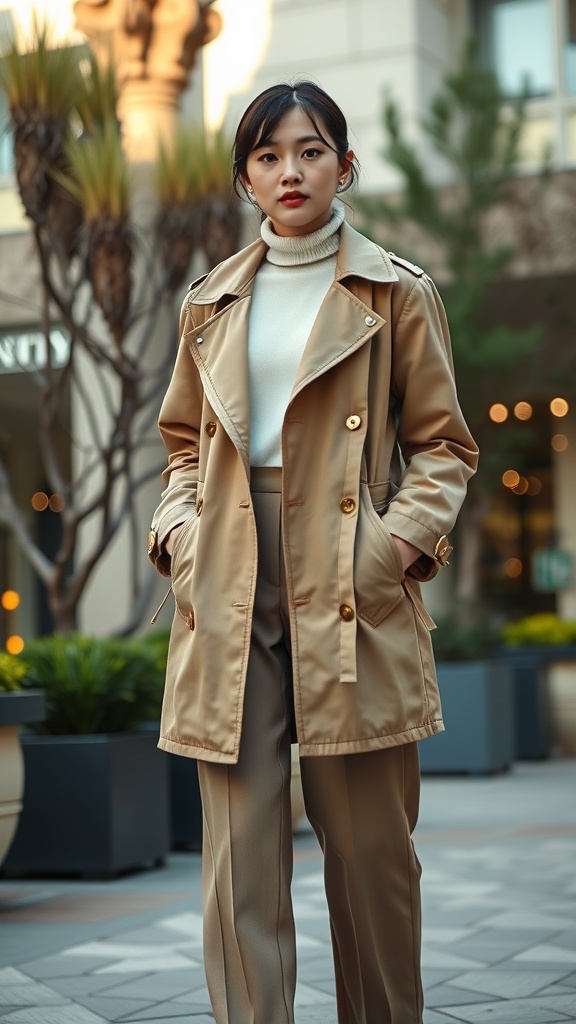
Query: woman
<point>317,461</point>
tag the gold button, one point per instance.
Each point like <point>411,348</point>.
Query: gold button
<point>353,422</point>
<point>190,621</point>
<point>346,612</point>
<point>348,505</point>
<point>151,541</point>
<point>211,428</point>
<point>199,506</point>
<point>443,551</point>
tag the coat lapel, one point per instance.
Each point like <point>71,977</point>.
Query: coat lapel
<point>219,345</point>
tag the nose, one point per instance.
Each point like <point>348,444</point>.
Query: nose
<point>291,172</point>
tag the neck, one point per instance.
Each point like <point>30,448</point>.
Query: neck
<point>297,249</point>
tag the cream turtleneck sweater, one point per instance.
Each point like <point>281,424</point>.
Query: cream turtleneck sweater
<point>288,291</point>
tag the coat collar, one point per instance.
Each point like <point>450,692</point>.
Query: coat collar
<point>357,257</point>
<point>219,345</point>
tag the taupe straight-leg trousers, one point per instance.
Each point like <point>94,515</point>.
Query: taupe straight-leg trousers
<point>363,808</point>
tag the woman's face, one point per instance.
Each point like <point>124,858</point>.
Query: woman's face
<point>296,175</point>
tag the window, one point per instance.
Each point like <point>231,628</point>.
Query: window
<point>516,38</point>
<point>531,44</point>
<point>570,48</point>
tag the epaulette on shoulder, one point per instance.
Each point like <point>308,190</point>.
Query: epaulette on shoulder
<point>192,287</point>
<point>406,264</point>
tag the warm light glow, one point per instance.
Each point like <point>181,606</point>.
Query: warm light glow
<point>14,644</point>
<point>522,486</point>
<point>559,442</point>
<point>523,410</point>
<point>534,485</point>
<point>230,62</point>
<point>513,567</point>
<point>57,14</point>
<point>39,501</point>
<point>498,413</point>
<point>10,600</point>
<point>56,503</point>
<point>559,407</point>
<point>511,478</point>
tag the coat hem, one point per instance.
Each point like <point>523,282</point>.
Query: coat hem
<point>364,746</point>
<point>196,751</point>
<point>321,749</point>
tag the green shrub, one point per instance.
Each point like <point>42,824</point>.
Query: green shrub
<point>93,684</point>
<point>12,670</point>
<point>544,628</point>
<point>457,641</point>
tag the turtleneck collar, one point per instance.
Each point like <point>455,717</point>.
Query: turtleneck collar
<point>297,249</point>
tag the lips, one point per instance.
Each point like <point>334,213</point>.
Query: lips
<point>293,199</point>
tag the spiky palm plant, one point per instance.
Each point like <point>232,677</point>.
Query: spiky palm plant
<point>197,206</point>
<point>99,182</point>
<point>40,87</point>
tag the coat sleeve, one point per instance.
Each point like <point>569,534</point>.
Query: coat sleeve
<point>179,425</point>
<point>438,450</point>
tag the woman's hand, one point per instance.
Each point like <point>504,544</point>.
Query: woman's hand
<point>170,539</point>
<point>408,553</point>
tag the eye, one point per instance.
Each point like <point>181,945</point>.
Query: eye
<point>312,152</point>
<point>267,158</point>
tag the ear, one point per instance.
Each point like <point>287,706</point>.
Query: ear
<point>346,164</point>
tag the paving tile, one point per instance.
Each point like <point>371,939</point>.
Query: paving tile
<point>168,962</point>
<point>83,985</point>
<point>529,919</point>
<point>113,1009</point>
<point>317,1015</point>
<point>547,953</point>
<point>161,986</point>
<point>62,1015</point>
<point>30,994</point>
<point>445,995</point>
<point>514,1011</point>
<point>62,966</point>
<point>443,960</point>
<point>306,995</point>
<point>433,1017</point>
<point>173,1011</point>
<point>508,984</point>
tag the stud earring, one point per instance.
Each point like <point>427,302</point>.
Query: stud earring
<point>341,184</point>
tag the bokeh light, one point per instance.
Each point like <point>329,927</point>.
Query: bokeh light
<point>14,644</point>
<point>10,600</point>
<point>511,478</point>
<point>534,485</point>
<point>498,413</point>
<point>513,567</point>
<point>559,442</point>
<point>56,503</point>
<point>522,486</point>
<point>559,407</point>
<point>523,410</point>
<point>39,501</point>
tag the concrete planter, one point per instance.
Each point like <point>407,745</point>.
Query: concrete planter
<point>16,708</point>
<point>541,697</point>
<point>95,806</point>
<point>478,705</point>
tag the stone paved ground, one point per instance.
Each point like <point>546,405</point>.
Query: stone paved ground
<point>499,859</point>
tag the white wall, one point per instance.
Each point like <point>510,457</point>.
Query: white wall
<point>357,50</point>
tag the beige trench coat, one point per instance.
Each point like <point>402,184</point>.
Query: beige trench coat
<point>373,443</point>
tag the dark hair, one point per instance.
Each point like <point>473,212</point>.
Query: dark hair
<point>262,117</point>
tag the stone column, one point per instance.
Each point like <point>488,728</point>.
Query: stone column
<point>153,44</point>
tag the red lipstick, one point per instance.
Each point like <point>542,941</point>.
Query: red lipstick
<point>293,199</point>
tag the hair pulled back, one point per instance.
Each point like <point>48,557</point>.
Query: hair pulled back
<point>266,111</point>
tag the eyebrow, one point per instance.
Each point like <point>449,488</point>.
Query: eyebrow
<point>264,143</point>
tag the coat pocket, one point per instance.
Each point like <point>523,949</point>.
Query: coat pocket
<point>378,572</point>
